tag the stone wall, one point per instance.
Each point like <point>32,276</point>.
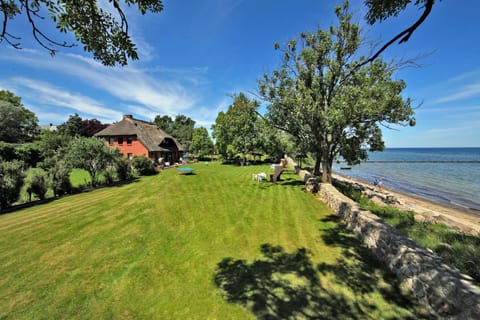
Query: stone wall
<point>445,291</point>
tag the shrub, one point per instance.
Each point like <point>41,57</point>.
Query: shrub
<point>37,183</point>
<point>59,176</point>
<point>7,152</point>
<point>109,175</point>
<point>124,169</point>
<point>30,153</point>
<point>11,182</point>
<point>143,166</point>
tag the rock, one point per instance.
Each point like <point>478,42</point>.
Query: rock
<point>312,185</point>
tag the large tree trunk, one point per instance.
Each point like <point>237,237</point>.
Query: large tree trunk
<point>326,167</point>
<point>318,160</point>
<point>326,171</point>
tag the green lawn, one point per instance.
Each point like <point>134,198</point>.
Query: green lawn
<point>212,245</point>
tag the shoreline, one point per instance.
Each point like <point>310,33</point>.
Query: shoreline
<point>425,210</point>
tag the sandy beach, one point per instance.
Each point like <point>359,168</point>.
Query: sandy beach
<point>425,210</point>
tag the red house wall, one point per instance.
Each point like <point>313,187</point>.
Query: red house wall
<point>136,148</point>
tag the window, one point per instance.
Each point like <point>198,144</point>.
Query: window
<point>120,140</point>
<point>111,140</point>
<point>129,140</point>
<point>130,156</point>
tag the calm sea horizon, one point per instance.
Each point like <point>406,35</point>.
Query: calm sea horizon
<point>448,176</point>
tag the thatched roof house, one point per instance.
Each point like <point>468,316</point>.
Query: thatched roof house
<point>135,137</point>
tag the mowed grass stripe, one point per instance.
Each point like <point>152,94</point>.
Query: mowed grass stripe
<point>44,213</point>
<point>150,249</point>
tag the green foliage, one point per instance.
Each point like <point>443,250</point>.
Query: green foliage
<point>109,175</point>
<point>181,128</point>
<point>7,152</point>
<point>30,153</point>
<point>52,144</point>
<point>236,129</point>
<point>59,176</point>
<point>202,144</point>
<point>102,27</point>
<point>164,122</point>
<point>17,124</point>
<point>329,105</point>
<point>143,166</point>
<point>272,141</point>
<point>72,127</point>
<point>11,182</point>
<point>461,250</point>
<point>92,155</point>
<point>381,10</point>
<point>123,169</point>
<point>37,183</point>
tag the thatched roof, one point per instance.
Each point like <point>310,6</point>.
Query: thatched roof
<point>147,133</point>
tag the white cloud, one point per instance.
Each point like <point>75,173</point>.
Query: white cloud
<point>464,92</point>
<point>461,77</point>
<point>128,84</point>
<point>453,131</point>
<point>45,94</point>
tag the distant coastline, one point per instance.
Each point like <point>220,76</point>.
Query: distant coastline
<point>449,176</point>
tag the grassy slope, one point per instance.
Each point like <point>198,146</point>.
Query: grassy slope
<point>150,249</point>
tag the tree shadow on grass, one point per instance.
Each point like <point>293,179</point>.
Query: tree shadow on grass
<point>281,286</point>
<point>284,285</point>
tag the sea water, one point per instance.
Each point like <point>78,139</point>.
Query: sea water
<point>448,176</point>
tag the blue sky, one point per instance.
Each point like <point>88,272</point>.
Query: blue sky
<point>196,53</point>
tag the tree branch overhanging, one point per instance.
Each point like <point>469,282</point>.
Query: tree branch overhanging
<point>39,36</point>
<point>404,36</point>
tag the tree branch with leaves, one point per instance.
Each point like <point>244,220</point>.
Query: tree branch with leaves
<point>102,33</point>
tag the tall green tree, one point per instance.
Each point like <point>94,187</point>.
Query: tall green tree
<point>92,155</point>
<point>17,124</point>
<point>236,129</point>
<point>164,122</point>
<point>101,26</point>
<point>326,102</point>
<point>202,144</point>
<point>72,127</point>
<point>182,130</point>
<point>272,141</point>
<point>51,146</point>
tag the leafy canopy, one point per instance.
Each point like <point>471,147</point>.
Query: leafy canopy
<point>91,154</point>
<point>202,144</point>
<point>181,128</point>
<point>17,124</point>
<point>101,26</point>
<point>235,131</point>
<point>330,105</point>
